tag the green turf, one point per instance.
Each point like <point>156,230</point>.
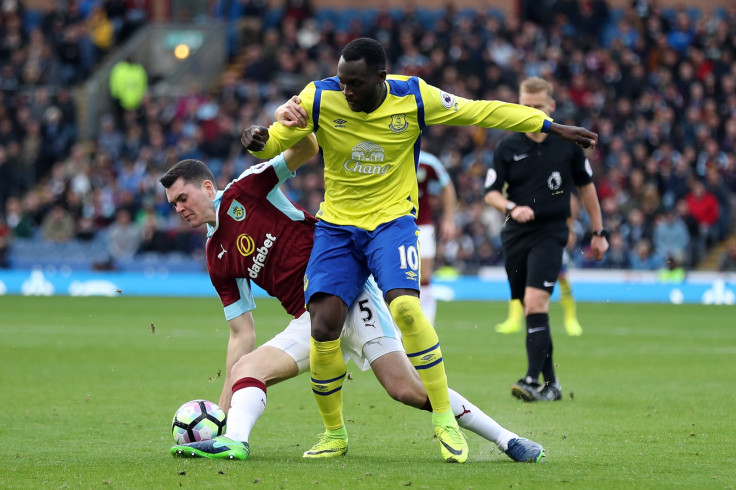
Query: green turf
<point>88,392</point>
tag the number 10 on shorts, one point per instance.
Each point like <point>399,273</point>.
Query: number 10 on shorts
<point>409,257</point>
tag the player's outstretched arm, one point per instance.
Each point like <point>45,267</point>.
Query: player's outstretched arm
<point>579,136</point>
<point>301,152</point>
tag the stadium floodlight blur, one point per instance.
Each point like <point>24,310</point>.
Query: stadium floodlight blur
<point>155,47</point>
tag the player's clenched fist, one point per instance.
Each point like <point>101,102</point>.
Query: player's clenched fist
<point>254,138</point>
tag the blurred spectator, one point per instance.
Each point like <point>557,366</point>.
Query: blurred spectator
<point>20,223</point>
<point>617,256</point>
<point>298,10</point>
<point>57,137</point>
<point>704,207</point>
<point>671,237</point>
<point>102,31</point>
<point>635,228</point>
<point>58,225</point>
<point>5,237</point>
<point>6,177</point>
<point>153,236</point>
<point>124,236</point>
<point>727,260</point>
<point>128,85</point>
<point>715,184</point>
<point>642,258</point>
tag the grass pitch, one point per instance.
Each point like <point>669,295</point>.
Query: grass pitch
<point>89,386</point>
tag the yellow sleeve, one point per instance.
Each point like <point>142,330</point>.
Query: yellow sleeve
<point>444,108</point>
<point>281,138</point>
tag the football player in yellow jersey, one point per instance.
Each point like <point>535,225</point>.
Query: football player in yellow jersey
<point>369,126</point>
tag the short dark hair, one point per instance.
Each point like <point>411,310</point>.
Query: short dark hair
<point>365,48</point>
<point>191,171</point>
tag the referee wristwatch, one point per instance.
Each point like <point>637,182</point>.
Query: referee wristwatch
<point>602,232</point>
<point>510,206</point>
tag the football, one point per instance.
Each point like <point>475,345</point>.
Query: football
<point>198,420</point>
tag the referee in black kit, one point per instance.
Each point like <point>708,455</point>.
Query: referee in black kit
<point>541,171</point>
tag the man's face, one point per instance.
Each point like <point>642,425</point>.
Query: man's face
<point>193,202</point>
<point>361,86</point>
<point>538,100</point>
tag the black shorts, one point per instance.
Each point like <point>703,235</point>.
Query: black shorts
<point>532,255</point>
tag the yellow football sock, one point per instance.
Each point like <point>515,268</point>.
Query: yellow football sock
<point>327,368</point>
<point>567,301</point>
<point>423,348</point>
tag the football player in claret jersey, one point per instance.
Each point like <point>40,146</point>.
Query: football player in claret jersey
<point>369,125</point>
<point>257,235</point>
<point>433,180</point>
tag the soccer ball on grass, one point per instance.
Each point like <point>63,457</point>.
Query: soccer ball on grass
<point>198,420</point>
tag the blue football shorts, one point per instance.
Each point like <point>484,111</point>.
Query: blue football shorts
<point>344,256</point>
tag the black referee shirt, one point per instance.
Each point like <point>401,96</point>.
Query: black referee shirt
<point>539,175</point>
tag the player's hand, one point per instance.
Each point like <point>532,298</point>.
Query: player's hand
<point>579,136</point>
<point>254,138</point>
<point>598,245</point>
<point>448,229</point>
<point>291,114</point>
<point>522,214</point>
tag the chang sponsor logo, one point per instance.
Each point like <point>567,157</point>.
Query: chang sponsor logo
<point>367,158</point>
<point>259,261</point>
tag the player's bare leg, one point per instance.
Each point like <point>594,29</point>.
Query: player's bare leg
<point>253,372</point>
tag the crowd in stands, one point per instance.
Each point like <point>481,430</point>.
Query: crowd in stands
<point>658,85</point>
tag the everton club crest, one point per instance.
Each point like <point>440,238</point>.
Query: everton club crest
<point>398,123</point>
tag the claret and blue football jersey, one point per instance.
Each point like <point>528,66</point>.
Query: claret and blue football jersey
<point>267,240</point>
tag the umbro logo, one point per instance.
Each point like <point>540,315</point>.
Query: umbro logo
<point>520,157</point>
<point>340,123</point>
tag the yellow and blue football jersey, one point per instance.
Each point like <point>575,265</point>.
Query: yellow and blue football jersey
<point>371,158</point>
